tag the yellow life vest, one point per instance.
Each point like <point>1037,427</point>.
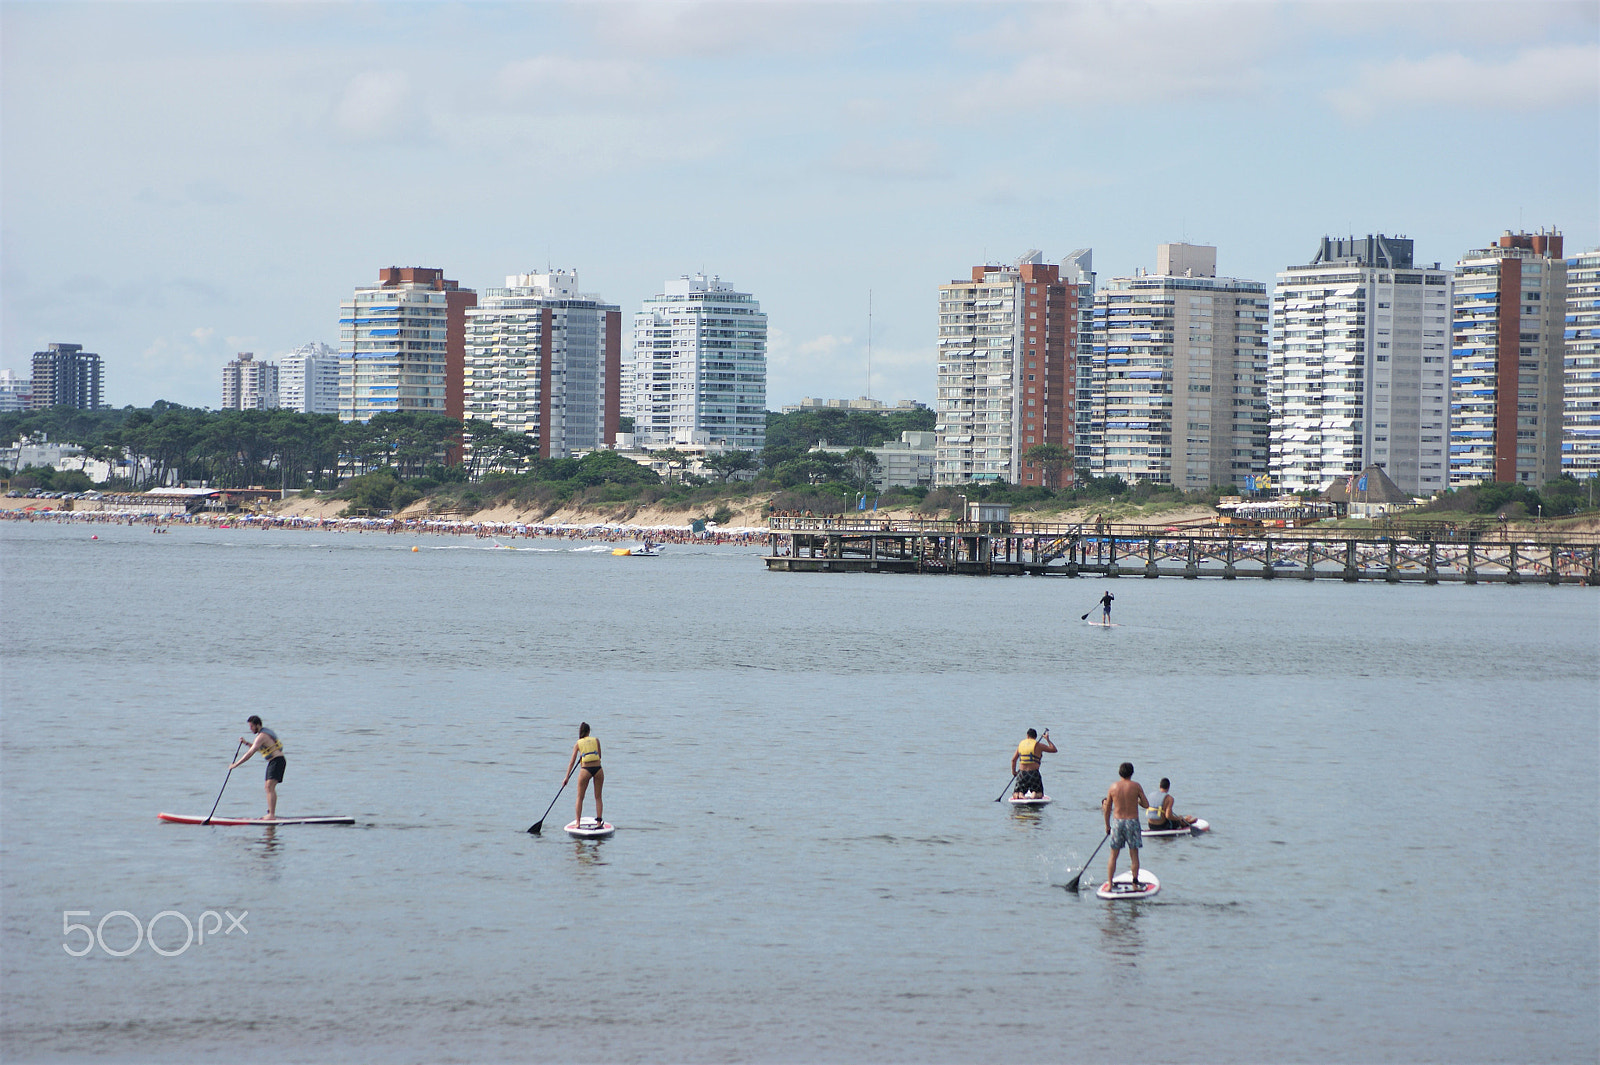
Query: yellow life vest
<point>1028,754</point>
<point>589,749</point>
<point>271,747</point>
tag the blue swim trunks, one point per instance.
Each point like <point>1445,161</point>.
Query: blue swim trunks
<point>1125,833</point>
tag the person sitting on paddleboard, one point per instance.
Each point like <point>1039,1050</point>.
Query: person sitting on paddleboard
<point>271,748</point>
<point>1105,607</point>
<point>1025,765</point>
<point>586,756</point>
<point>1163,814</point>
<point>1123,801</point>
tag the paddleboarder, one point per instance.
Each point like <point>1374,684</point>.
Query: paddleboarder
<point>1164,813</point>
<point>267,744</point>
<point>1105,607</point>
<point>1025,765</point>
<point>1121,807</point>
<point>586,757</point>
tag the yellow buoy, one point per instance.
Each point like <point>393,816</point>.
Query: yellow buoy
<point>413,549</point>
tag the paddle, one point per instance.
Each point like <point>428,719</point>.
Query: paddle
<point>1072,885</point>
<point>1002,795</point>
<point>224,787</point>
<point>538,825</point>
<point>1087,613</point>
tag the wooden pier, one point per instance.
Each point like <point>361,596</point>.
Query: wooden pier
<point>858,544</point>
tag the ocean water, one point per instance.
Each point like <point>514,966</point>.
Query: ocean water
<point>809,864</point>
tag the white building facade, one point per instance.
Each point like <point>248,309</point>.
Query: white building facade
<point>1508,362</point>
<point>249,385</point>
<point>1580,441</point>
<point>698,364</point>
<point>308,380</point>
<point>904,463</point>
<point>1360,372</point>
<point>1180,365</point>
<point>400,345</point>
<point>543,358</point>
<point>14,391</point>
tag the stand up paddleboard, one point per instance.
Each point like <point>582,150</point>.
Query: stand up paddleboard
<point>590,829</point>
<point>1200,825</point>
<point>1040,800</point>
<point>187,819</point>
<point>1121,887</point>
<point>1106,624</point>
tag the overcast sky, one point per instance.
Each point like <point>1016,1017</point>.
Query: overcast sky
<point>181,182</point>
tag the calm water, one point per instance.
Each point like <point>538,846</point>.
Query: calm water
<point>809,864</point>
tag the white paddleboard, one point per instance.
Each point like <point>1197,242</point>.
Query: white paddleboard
<point>589,828</point>
<point>1200,825</point>
<point>1122,886</point>
<point>194,819</point>
<point>1042,800</point>
<point>1106,624</point>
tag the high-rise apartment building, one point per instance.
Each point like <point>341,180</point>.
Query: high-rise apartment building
<point>1508,361</point>
<point>1078,269</point>
<point>249,385</point>
<point>308,380</point>
<point>546,360</point>
<point>1181,370</point>
<point>402,345</point>
<point>66,376</point>
<point>14,391</point>
<point>1360,372</point>
<point>698,367</point>
<point>1580,442</point>
<point>1007,362</point>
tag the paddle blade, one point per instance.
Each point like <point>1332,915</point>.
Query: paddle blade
<point>1072,885</point>
<point>534,829</point>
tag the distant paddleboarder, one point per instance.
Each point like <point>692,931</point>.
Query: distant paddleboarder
<point>1164,814</point>
<point>1025,765</point>
<point>267,744</point>
<point>1121,807</point>
<point>1105,607</point>
<point>586,757</point>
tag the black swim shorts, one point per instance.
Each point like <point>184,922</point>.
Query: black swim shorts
<point>275,768</point>
<point>1028,781</point>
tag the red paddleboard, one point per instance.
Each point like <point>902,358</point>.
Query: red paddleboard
<point>188,819</point>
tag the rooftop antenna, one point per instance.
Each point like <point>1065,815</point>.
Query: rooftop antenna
<point>869,343</point>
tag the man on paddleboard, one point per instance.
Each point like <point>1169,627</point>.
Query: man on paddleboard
<point>266,742</point>
<point>1105,607</point>
<point>1121,807</point>
<point>1163,814</point>
<point>1025,765</point>
<point>586,756</point>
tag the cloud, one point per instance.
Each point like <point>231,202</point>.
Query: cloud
<point>567,80</point>
<point>202,333</point>
<point>375,104</point>
<point>1535,78</point>
<point>901,159</point>
<point>1129,53</point>
<point>665,29</point>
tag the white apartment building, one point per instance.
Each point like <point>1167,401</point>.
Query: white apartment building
<point>249,385</point>
<point>1007,346</point>
<point>1580,442</point>
<point>1508,362</point>
<point>1180,365</point>
<point>904,463</point>
<point>545,359</point>
<point>1078,269</point>
<point>14,391</point>
<point>308,380</point>
<point>400,344</point>
<point>698,364</point>
<point>1360,367</point>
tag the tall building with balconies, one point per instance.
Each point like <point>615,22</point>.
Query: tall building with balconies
<point>1580,441</point>
<point>249,385</point>
<point>546,360</point>
<point>1180,360</point>
<point>1007,366</point>
<point>67,376</point>
<point>1508,366</point>
<point>1078,269</point>
<point>697,367</point>
<point>402,345</point>
<point>308,380</point>
<point>1360,371</point>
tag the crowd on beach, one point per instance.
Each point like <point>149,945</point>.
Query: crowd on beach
<point>483,530</point>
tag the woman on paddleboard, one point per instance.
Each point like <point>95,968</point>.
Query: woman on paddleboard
<point>586,757</point>
<point>266,743</point>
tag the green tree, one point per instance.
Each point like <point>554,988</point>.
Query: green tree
<point>1053,457</point>
<point>861,466</point>
<point>727,464</point>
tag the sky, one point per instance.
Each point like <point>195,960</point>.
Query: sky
<point>180,182</point>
